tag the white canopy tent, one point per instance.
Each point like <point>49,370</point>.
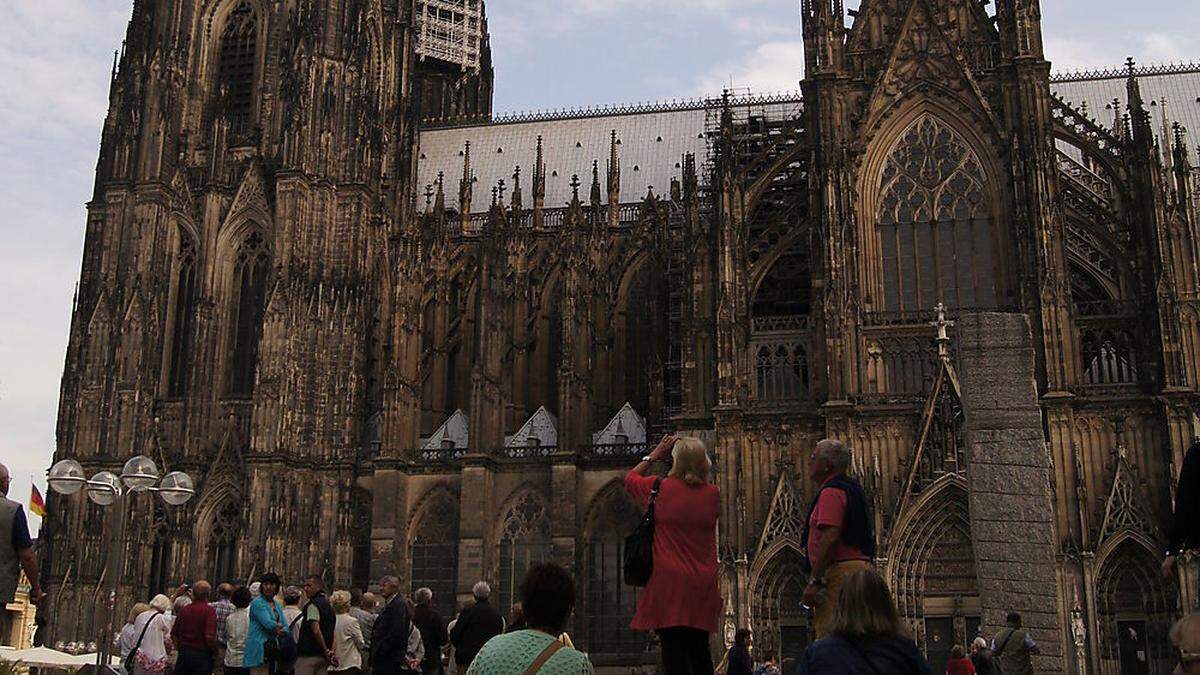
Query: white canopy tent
<point>44,657</point>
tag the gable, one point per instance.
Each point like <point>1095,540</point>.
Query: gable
<point>625,427</point>
<point>541,429</point>
<point>454,433</point>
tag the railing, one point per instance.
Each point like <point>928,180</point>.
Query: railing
<point>616,450</point>
<point>527,451</point>
<point>441,455</point>
<point>1096,309</point>
<point>1089,180</point>
<point>780,324</point>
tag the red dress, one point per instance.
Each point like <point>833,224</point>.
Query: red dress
<point>960,667</point>
<point>683,589</point>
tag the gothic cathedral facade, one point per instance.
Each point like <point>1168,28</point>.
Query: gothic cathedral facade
<point>390,333</point>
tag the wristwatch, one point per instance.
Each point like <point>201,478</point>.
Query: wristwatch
<point>648,458</point>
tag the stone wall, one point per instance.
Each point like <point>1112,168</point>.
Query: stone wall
<point>1011,502</point>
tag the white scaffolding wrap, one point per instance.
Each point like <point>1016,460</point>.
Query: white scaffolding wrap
<point>450,30</point>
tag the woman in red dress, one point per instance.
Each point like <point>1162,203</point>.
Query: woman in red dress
<point>682,601</point>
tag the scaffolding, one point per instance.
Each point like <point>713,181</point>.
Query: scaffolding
<point>450,31</point>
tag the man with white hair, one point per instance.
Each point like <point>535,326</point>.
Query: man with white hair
<point>389,635</point>
<point>433,631</point>
<point>839,535</point>
<point>17,552</point>
<point>475,626</point>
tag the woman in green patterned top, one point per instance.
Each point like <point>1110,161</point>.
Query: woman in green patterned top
<point>547,596</point>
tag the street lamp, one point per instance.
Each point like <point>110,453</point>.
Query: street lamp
<point>139,474</point>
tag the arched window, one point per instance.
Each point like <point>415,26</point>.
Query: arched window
<point>524,542</point>
<point>237,58</point>
<point>609,601</point>
<point>935,223</point>
<point>552,352</point>
<point>181,327</point>
<point>160,553</point>
<point>250,291</point>
<point>645,339</point>
<point>222,543</point>
<point>1134,613</point>
<point>780,624</point>
<point>1109,356</point>
<point>434,551</point>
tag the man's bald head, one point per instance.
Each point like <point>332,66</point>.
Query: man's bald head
<point>5,480</point>
<point>201,591</point>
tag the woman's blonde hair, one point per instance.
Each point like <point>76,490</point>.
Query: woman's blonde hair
<point>863,607</point>
<point>340,601</point>
<point>137,611</point>
<point>690,462</point>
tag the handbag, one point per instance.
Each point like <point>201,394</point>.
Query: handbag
<point>282,649</point>
<point>128,663</point>
<point>639,546</point>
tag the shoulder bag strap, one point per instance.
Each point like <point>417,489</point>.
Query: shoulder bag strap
<point>1004,644</point>
<point>138,645</point>
<point>550,650</point>
<point>653,496</point>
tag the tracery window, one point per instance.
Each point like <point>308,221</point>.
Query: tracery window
<point>610,602</point>
<point>181,327</point>
<point>1108,357</point>
<point>434,550</point>
<point>935,223</point>
<point>222,542</point>
<point>780,371</point>
<point>645,338</point>
<point>237,58</point>
<point>250,291</point>
<point>524,542</point>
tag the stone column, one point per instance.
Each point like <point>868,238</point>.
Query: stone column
<point>1011,502</point>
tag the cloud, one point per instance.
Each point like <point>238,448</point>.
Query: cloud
<point>1164,48</point>
<point>769,67</point>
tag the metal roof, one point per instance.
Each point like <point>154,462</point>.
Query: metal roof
<point>652,140</point>
<point>1172,89</point>
<point>654,137</point>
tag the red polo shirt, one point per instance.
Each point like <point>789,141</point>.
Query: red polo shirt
<point>195,627</point>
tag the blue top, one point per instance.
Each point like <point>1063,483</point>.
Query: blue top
<point>888,656</point>
<point>263,624</point>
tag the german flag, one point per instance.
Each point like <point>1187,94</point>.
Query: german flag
<point>37,505</point>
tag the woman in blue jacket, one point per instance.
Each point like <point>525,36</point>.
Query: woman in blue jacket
<point>868,637</point>
<point>266,626</point>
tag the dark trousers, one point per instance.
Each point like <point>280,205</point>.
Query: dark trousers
<point>685,651</point>
<point>194,662</point>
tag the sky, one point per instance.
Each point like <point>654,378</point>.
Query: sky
<point>56,55</point>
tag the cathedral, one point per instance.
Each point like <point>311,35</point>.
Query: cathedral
<point>390,332</point>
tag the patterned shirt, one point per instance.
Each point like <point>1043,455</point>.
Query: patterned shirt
<point>514,652</point>
<point>223,608</point>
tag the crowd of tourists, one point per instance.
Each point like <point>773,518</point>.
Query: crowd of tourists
<point>269,629</point>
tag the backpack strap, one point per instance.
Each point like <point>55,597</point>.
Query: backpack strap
<point>550,650</point>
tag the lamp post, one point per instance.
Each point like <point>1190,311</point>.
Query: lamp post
<point>105,488</point>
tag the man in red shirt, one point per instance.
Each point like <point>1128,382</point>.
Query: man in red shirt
<point>839,536</point>
<point>195,633</point>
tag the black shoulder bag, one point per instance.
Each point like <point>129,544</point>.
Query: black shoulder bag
<point>639,546</point>
<point>132,655</point>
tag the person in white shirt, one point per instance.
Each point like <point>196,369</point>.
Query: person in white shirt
<point>237,628</point>
<point>348,642</point>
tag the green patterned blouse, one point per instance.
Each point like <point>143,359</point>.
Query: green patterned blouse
<point>512,653</point>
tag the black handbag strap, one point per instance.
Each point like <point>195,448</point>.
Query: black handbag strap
<point>138,645</point>
<point>653,498</point>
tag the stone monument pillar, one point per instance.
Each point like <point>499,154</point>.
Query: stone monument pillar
<point>1011,501</point>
